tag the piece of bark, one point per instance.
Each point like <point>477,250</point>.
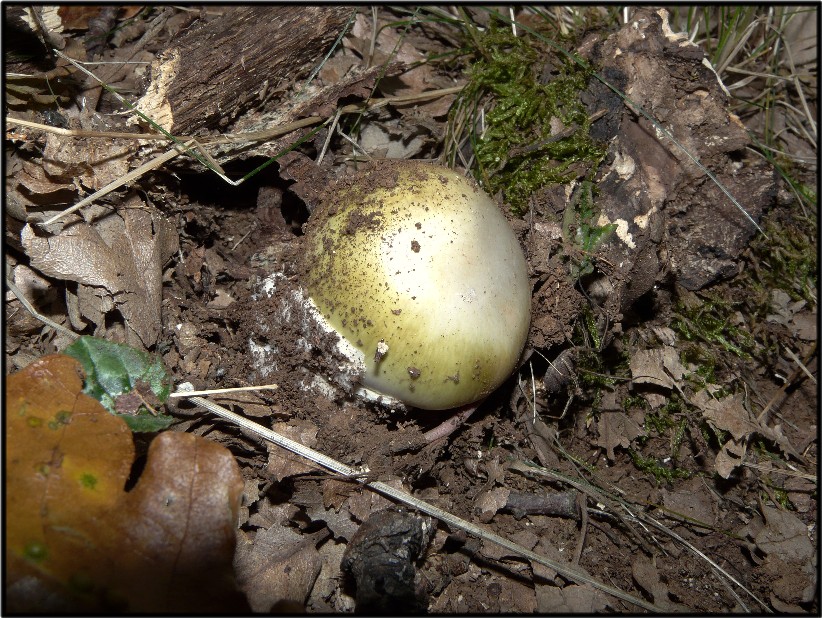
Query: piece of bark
<point>323,102</point>
<point>558,504</point>
<point>220,68</point>
<point>670,219</point>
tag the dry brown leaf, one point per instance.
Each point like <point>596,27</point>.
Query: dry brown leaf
<point>76,541</point>
<point>646,575</point>
<point>339,520</point>
<point>489,502</point>
<point>805,325</point>
<point>692,499</point>
<point>281,463</point>
<point>342,511</point>
<point>179,524</point>
<point>728,414</point>
<point>786,535</point>
<point>35,180</point>
<point>119,262</point>
<point>570,600</point>
<point>793,315</point>
<point>526,538</point>
<point>729,457</point>
<point>362,503</point>
<point>76,17</point>
<point>395,139</point>
<point>250,402</point>
<point>659,366</point>
<point>616,429</point>
<point>94,163</point>
<point>790,556</point>
<point>327,596</point>
<point>60,480</point>
<point>221,300</point>
<point>277,568</point>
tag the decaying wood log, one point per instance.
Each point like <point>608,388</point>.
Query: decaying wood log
<point>222,67</point>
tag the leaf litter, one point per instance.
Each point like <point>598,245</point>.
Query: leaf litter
<point>118,263</point>
<point>212,344</point>
<point>73,533</point>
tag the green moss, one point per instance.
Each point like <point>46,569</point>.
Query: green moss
<point>717,326</point>
<point>659,471</point>
<point>704,362</point>
<point>89,481</point>
<point>634,401</point>
<point>710,322</point>
<point>762,448</point>
<point>781,497</point>
<point>659,421</point>
<point>509,107</point>
<point>715,438</point>
<point>598,370</point>
<point>580,230</point>
<point>669,420</point>
<point>677,438</point>
<point>788,259</point>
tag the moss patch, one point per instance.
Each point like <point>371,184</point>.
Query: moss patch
<point>527,125</point>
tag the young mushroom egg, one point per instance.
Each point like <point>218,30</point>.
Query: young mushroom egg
<point>418,270</point>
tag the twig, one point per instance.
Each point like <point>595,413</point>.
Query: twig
<point>219,391</point>
<point>795,358</point>
<point>84,133</point>
<point>640,519</point>
<point>773,470</point>
<point>207,160</point>
<point>762,416</point>
<point>30,308</point>
<point>449,426</point>
<point>132,175</point>
<point>359,475</point>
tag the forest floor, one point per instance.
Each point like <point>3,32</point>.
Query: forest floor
<point>682,445</point>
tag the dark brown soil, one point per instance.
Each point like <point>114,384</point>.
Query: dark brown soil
<point>645,442</point>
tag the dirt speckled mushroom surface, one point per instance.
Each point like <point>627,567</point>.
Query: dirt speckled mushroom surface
<point>419,270</point>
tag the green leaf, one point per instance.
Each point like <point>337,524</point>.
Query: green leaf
<point>147,422</point>
<point>114,370</point>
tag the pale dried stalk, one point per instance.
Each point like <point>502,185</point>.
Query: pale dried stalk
<point>221,391</point>
<point>252,136</point>
<point>30,308</point>
<point>359,476</point>
<point>132,175</point>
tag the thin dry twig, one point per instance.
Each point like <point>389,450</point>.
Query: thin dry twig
<point>191,144</point>
<point>640,518</point>
<point>360,476</point>
<point>802,366</point>
<point>30,308</point>
<point>220,391</point>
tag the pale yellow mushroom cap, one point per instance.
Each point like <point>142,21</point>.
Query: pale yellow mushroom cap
<point>419,270</point>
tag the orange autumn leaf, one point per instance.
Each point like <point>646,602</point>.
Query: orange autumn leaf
<point>67,461</point>
<point>75,540</point>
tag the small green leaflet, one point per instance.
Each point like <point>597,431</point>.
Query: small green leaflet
<point>124,379</point>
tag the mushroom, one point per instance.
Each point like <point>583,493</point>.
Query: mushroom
<point>421,276</point>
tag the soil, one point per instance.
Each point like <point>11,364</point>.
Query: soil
<point>640,434</point>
